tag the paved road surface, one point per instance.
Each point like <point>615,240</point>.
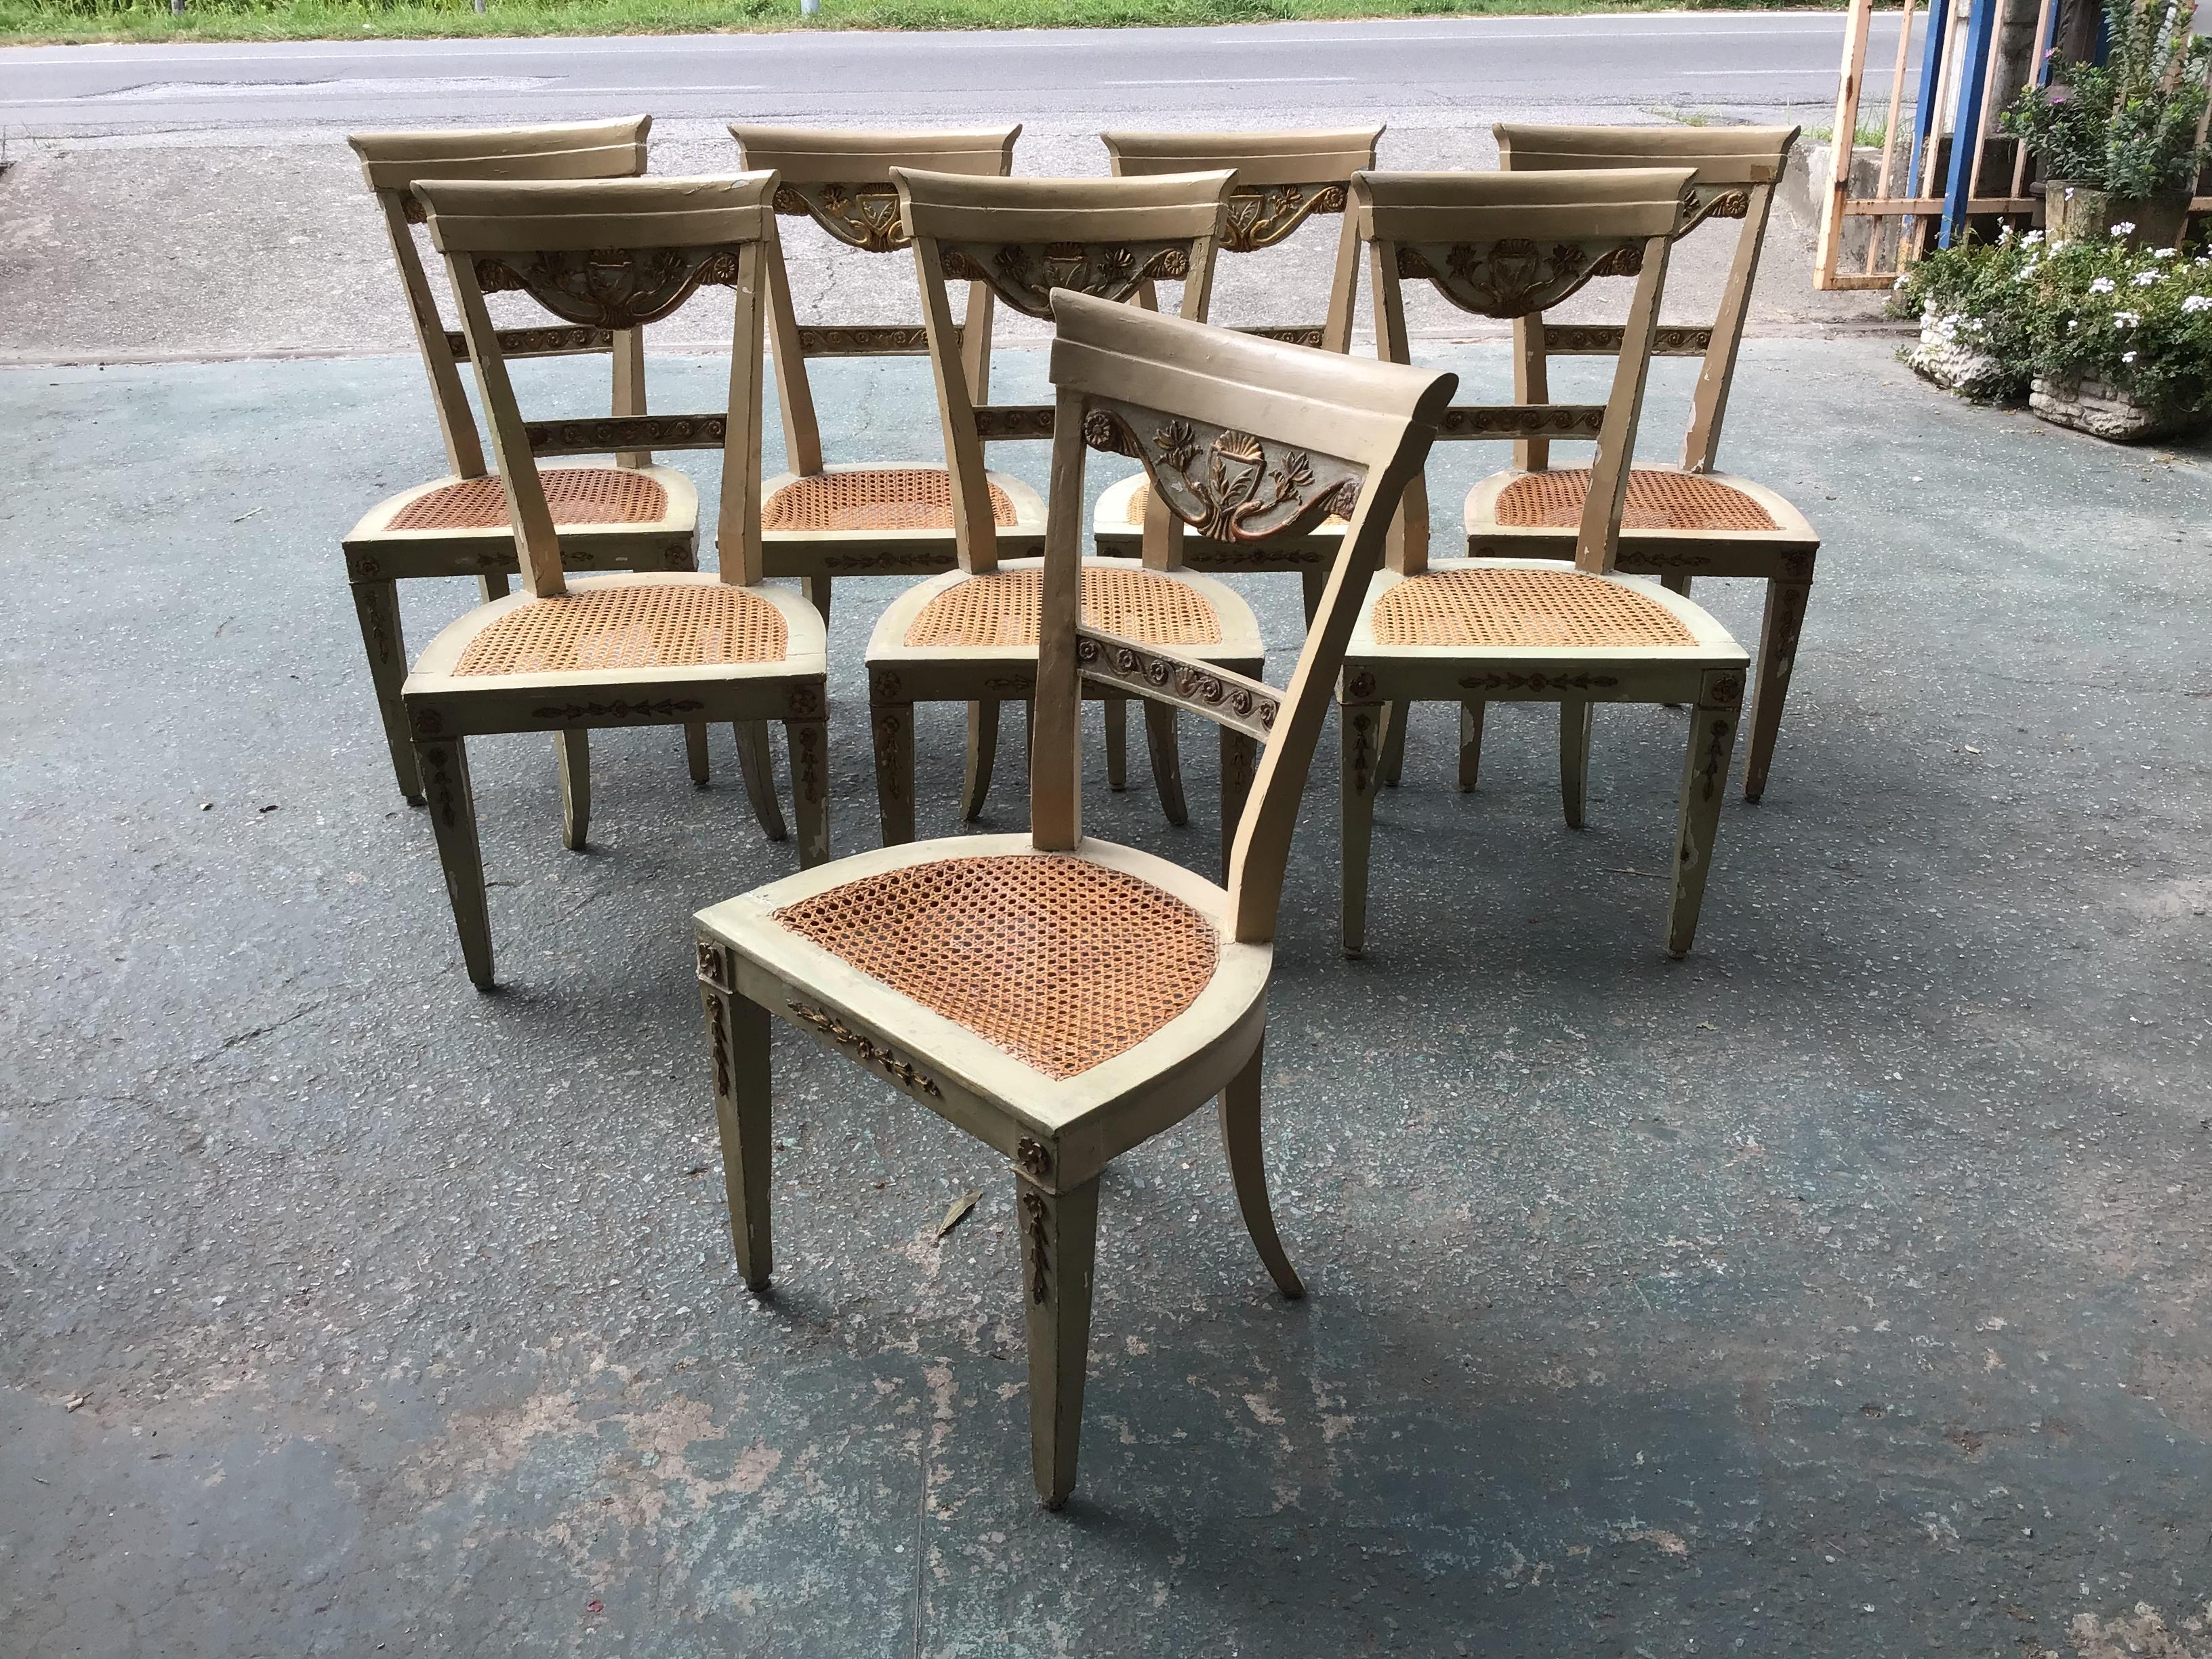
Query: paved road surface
<point>1419,70</point>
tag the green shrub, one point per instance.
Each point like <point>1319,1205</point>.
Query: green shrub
<point>2129,124</point>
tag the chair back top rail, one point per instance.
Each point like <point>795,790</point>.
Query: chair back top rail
<point>392,163</point>
<point>1026,239</point>
<point>1737,171</point>
<point>615,254</point>
<point>1507,245</point>
<point>1238,436</point>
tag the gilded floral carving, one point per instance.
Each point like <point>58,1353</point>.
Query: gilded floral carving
<point>1024,274</point>
<point>865,217</point>
<point>1264,215</point>
<point>1229,486</point>
<point>1514,277</point>
<point>609,288</point>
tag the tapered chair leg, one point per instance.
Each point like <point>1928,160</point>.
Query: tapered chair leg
<point>445,768</point>
<point>1362,751</point>
<point>810,788</point>
<point>1677,583</point>
<point>1574,760</point>
<point>1059,1242</point>
<point>1704,783</point>
<point>1167,760</point>
<point>1117,743</point>
<point>758,771</point>
<point>983,756</point>
<point>574,749</point>
<point>892,723</point>
<point>1470,743</point>
<point>1777,659</point>
<point>695,754</point>
<point>738,1038</point>
<point>1240,756</point>
<point>492,585</point>
<point>818,593</point>
<point>377,606</point>
<point>1314,578</point>
<point>1394,743</point>
<point>1240,1140</point>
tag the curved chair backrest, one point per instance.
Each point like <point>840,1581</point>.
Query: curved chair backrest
<point>1283,179</point>
<point>840,178</point>
<point>394,162</point>
<point>1027,239</point>
<point>615,255</point>
<point>1244,438</point>
<point>1736,171</point>
<point>1508,245</point>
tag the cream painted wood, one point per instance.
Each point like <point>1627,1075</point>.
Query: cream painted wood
<point>378,556</point>
<point>1737,171</point>
<point>1457,233</point>
<point>1118,373</point>
<point>651,246</point>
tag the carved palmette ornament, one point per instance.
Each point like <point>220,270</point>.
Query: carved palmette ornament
<point>1515,276</point>
<point>609,288</point>
<point>1024,274</point>
<point>1228,486</point>
<point>1264,215</point>
<point>865,216</point>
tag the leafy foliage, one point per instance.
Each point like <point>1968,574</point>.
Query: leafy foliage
<point>2129,124</point>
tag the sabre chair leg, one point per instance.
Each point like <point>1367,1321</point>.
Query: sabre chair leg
<point>1574,760</point>
<point>757,767</point>
<point>738,1038</point>
<point>1117,743</point>
<point>817,594</point>
<point>982,756</point>
<point>808,741</point>
<point>1394,743</point>
<point>1705,782</point>
<point>1470,743</point>
<point>1240,1140</point>
<point>1160,739</point>
<point>377,606</point>
<point>1777,659</point>
<point>445,768</point>
<point>1362,752</point>
<point>892,723</point>
<point>695,753</point>
<point>1240,756</point>
<point>492,585</point>
<point>1060,1241</point>
<point>574,749</point>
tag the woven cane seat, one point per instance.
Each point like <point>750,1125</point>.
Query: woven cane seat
<point>888,498</point>
<point>1522,607</point>
<point>577,494</point>
<point>641,625</point>
<point>1060,962</point>
<point>1657,500</point>
<point>1001,608</point>
<point>1141,498</point>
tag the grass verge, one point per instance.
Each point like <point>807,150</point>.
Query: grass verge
<point>89,20</point>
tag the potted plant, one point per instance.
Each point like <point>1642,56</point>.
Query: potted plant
<point>2120,338</point>
<point>1973,305</point>
<point>2117,140</point>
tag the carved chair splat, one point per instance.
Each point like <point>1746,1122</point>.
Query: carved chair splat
<point>1059,998</point>
<point>672,648</point>
<point>1466,631</point>
<point>1684,521</point>
<point>970,636</point>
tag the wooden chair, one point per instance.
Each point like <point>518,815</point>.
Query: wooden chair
<point>631,516</point>
<point>627,650</point>
<point>1680,521</point>
<point>971,637</point>
<point>1062,999</point>
<point>1509,244</point>
<point>1285,181</point>
<point>875,518</point>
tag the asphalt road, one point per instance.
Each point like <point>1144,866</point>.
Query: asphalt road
<point>1418,69</point>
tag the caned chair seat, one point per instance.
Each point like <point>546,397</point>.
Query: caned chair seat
<point>873,498</point>
<point>576,495</point>
<point>1001,608</point>
<point>1476,606</point>
<point>1659,498</point>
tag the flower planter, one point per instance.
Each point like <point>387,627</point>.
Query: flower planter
<point>2107,411</point>
<point>1957,364</point>
<point>2082,212</point>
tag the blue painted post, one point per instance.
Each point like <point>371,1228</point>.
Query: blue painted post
<point>1924,111</point>
<point>1965,132</point>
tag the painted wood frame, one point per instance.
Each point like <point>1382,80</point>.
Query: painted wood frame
<point>1737,171</point>
<point>1508,245</point>
<point>617,253</point>
<point>1122,378</point>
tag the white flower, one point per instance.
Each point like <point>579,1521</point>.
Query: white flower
<point>2198,302</point>
<point>2127,356</point>
<point>2102,285</point>
<point>2125,319</point>
<point>2163,252</point>
<point>2031,238</point>
<point>1900,283</point>
<point>2145,278</point>
<point>2125,228</point>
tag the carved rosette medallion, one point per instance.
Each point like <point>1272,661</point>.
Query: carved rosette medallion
<point>1034,1157</point>
<point>1024,274</point>
<point>1515,276</point>
<point>1704,201</point>
<point>1264,215</point>
<point>1228,486</point>
<point>609,288</point>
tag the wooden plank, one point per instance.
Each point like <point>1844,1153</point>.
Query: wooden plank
<point>1843,138</point>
